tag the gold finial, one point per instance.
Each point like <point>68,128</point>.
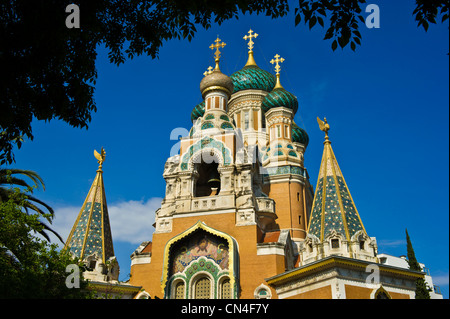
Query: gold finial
<point>277,60</point>
<point>100,158</point>
<point>324,126</point>
<point>251,34</point>
<point>209,71</point>
<point>217,53</point>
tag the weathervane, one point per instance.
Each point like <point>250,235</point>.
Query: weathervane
<point>100,157</point>
<point>277,60</point>
<point>324,126</point>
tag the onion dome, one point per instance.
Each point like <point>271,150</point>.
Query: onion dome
<point>299,135</point>
<point>215,80</point>
<point>279,96</point>
<point>198,111</point>
<point>252,77</point>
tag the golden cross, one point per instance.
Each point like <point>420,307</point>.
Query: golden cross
<point>209,71</point>
<point>277,60</point>
<point>217,46</point>
<point>250,36</point>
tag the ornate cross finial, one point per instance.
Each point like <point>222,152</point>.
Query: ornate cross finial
<point>217,46</point>
<point>277,60</point>
<point>250,36</point>
<point>100,157</point>
<point>209,71</point>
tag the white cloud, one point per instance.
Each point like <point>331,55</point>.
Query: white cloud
<point>391,243</point>
<point>131,221</point>
<point>441,280</point>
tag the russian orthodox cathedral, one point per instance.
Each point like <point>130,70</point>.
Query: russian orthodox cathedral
<point>240,218</point>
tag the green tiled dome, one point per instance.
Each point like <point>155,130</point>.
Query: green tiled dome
<point>252,77</point>
<point>280,97</point>
<point>198,111</point>
<point>299,135</point>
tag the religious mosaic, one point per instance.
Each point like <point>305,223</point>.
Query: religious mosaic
<point>200,244</point>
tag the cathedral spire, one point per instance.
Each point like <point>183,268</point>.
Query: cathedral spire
<point>91,233</point>
<point>333,210</point>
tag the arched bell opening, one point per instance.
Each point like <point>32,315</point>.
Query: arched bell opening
<point>208,182</point>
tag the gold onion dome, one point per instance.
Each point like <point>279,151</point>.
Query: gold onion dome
<point>216,80</point>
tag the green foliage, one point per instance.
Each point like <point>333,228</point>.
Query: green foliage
<point>422,291</point>
<point>29,266</point>
<point>427,11</point>
<point>344,17</point>
<point>8,179</point>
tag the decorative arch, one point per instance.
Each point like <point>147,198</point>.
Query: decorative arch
<point>143,295</point>
<point>206,144</point>
<point>262,292</point>
<point>335,238</point>
<point>201,264</point>
<point>209,153</point>
<point>380,293</point>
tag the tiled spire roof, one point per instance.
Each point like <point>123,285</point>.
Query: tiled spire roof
<point>91,232</point>
<point>333,206</point>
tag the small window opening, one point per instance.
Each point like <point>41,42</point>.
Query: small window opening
<point>361,245</point>
<point>335,243</point>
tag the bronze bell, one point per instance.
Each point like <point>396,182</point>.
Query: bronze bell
<point>214,179</point>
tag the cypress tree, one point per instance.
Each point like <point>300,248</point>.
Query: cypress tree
<point>421,287</point>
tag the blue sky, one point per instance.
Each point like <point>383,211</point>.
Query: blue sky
<point>387,105</point>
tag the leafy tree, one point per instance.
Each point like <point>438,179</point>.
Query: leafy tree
<point>7,178</point>
<point>31,267</point>
<point>48,70</point>
<point>421,287</point>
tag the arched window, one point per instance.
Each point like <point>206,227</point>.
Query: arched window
<point>208,183</point>
<point>382,294</point>
<point>262,292</point>
<point>179,290</point>
<point>202,288</point>
<point>226,289</point>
